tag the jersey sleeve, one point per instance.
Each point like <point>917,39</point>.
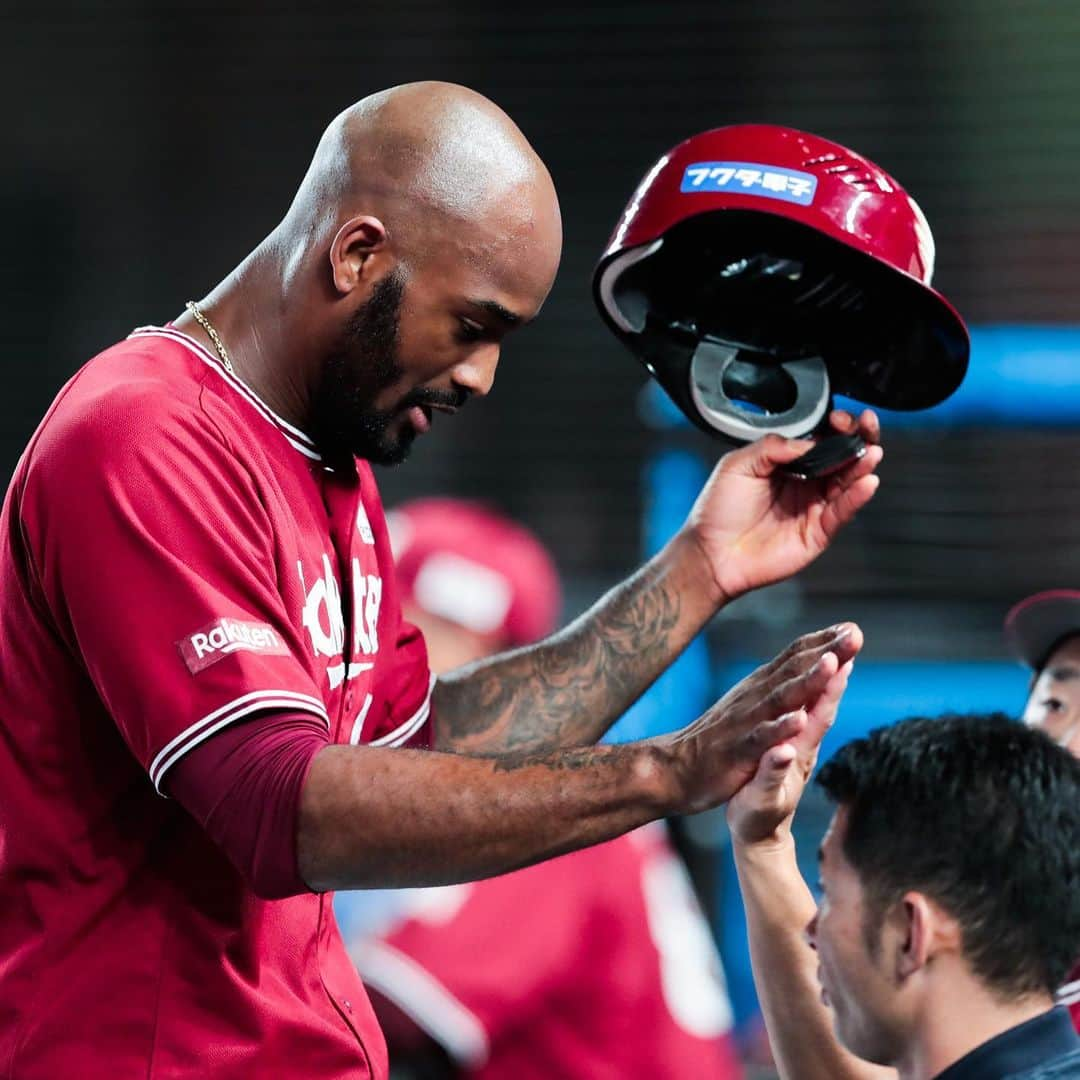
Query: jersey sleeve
<point>155,558</point>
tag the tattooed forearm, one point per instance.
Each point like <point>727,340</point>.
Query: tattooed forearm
<point>572,760</point>
<point>568,690</point>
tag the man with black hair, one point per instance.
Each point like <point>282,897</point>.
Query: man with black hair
<point>950,907</point>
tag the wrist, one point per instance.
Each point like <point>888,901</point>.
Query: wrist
<point>777,845</point>
<point>655,777</point>
<point>698,575</point>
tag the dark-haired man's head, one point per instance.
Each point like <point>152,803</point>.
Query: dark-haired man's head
<point>951,870</point>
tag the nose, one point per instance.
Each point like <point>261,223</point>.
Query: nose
<point>477,374</point>
<point>810,933</point>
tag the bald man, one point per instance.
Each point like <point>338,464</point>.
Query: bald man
<point>211,711</point>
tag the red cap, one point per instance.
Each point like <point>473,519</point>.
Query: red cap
<point>1038,623</point>
<point>464,563</point>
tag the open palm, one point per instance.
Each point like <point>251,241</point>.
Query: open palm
<point>758,525</point>
<point>762,809</point>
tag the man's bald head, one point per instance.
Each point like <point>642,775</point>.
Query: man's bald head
<point>422,152</point>
<point>425,229</point>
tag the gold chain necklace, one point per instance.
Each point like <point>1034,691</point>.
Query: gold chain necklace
<point>204,322</point>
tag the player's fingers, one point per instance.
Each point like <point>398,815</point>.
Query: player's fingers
<point>761,458</point>
<point>805,650</point>
<point>839,511</point>
<point>823,712</point>
<point>844,640</point>
<point>804,688</point>
<point>854,472</point>
<point>870,426</point>
<point>842,422</point>
<point>774,766</point>
<point>770,733</point>
<point>849,644</point>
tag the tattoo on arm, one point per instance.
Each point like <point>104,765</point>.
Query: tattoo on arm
<point>567,690</point>
<point>574,759</point>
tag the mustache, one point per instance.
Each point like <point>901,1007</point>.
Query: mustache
<point>454,399</point>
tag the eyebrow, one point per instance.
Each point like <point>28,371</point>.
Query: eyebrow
<point>493,307</point>
<point>1064,672</point>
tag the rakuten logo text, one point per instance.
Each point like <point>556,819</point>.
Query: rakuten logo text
<point>225,636</point>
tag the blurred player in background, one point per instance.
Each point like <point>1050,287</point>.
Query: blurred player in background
<point>595,964</point>
<point>1043,631</point>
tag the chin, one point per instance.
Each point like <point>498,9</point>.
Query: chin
<point>388,451</point>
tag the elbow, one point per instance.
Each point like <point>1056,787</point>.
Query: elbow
<point>318,843</point>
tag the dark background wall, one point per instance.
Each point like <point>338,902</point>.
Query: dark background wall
<point>148,146</point>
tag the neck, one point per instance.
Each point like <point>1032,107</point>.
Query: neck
<point>958,1018</point>
<point>249,313</point>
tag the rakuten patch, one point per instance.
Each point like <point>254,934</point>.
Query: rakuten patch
<point>225,636</point>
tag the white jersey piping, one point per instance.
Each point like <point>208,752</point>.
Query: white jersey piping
<point>294,436</point>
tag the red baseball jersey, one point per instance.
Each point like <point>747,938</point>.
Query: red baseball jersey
<point>1069,995</point>
<point>594,965</point>
<point>174,558</point>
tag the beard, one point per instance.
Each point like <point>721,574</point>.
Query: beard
<point>365,362</point>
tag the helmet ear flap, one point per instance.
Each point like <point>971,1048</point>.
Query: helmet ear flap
<point>744,400</point>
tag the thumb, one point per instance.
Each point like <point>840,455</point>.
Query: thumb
<point>771,736</point>
<point>773,767</point>
<point>763,456</point>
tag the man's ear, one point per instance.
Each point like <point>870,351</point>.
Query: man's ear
<point>922,931</point>
<point>351,252</point>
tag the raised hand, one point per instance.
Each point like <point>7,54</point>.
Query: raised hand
<point>781,704</point>
<point>761,812</point>
<point>757,525</point>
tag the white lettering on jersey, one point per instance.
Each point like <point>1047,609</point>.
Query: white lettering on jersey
<point>367,600</point>
<point>327,632</point>
<point>363,525</point>
<point>358,723</point>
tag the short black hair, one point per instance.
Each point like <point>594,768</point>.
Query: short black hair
<point>983,816</point>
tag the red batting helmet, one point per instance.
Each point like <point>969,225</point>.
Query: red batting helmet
<point>757,269</point>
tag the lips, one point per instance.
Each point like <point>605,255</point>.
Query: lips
<point>420,418</point>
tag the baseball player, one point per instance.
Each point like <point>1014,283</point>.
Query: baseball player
<point>1043,631</point>
<point>212,713</point>
<point>599,963</point>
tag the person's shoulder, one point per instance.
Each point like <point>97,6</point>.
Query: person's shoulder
<point>147,377</point>
<point>129,398</point>
<point>1065,1065</point>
